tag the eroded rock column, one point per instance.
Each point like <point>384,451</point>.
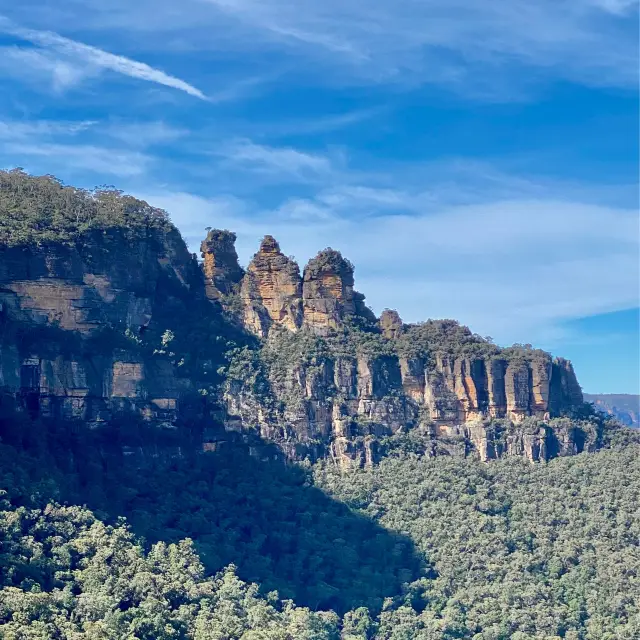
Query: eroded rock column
<point>271,290</point>
<point>327,292</point>
<point>220,263</point>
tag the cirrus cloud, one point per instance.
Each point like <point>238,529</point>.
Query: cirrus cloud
<point>72,58</point>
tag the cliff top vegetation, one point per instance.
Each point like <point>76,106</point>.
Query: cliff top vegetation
<point>39,210</point>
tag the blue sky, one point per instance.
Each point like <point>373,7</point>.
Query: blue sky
<point>475,160</point>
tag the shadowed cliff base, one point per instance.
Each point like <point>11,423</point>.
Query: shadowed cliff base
<point>241,505</point>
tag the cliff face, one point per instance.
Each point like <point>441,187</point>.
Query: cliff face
<point>327,292</point>
<point>321,396</point>
<point>72,320</point>
<point>220,266</point>
<point>344,403</point>
<point>273,295</point>
<point>109,282</point>
<point>119,325</point>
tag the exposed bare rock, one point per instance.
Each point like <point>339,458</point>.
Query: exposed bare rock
<point>95,389</point>
<point>346,377</point>
<point>341,400</point>
<point>271,290</point>
<point>220,263</point>
<point>540,385</point>
<point>530,444</point>
<point>390,324</point>
<point>325,404</point>
<point>470,386</point>
<point>564,388</point>
<point>110,281</point>
<point>72,305</point>
<point>484,441</point>
<point>412,371</point>
<point>518,390</point>
<point>496,371</point>
<point>327,292</point>
<point>441,401</point>
<point>319,385</point>
<point>350,454</point>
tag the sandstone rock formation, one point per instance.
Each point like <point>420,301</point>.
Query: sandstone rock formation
<point>108,282</point>
<point>65,314</point>
<point>390,324</point>
<point>332,380</point>
<point>345,400</point>
<point>327,292</point>
<point>271,290</point>
<point>220,263</point>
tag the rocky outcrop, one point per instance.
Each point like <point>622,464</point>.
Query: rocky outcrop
<point>390,324</point>
<point>108,281</point>
<point>339,402</point>
<point>327,292</point>
<point>85,336</point>
<point>220,264</point>
<point>273,294</point>
<point>564,389</point>
<point>93,389</point>
<point>271,291</point>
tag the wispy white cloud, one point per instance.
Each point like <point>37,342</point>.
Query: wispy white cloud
<point>317,125</point>
<point>142,134</point>
<point>78,55</point>
<point>450,41</point>
<point>283,163</point>
<point>40,157</point>
<point>120,138</point>
<point>39,129</point>
<point>476,48</point>
<point>40,67</point>
<point>242,88</point>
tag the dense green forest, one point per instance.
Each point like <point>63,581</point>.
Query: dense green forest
<point>41,210</point>
<point>413,548</point>
<point>519,550</point>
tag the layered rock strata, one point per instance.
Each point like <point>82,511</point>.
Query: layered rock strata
<point>109,281</point>
<point>344,402</point>
<point>327,292</point>
<point>220,264</point>
<point>74,321</point>
<point>66,312</point>
<point>271,291</point>
<point>274,295</point>
<point>390,324</point>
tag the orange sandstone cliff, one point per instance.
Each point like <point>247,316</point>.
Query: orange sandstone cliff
<point>118,326</point>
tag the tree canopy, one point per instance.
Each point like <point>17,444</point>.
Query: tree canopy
<point>37,210</point>
<point>443,548</point>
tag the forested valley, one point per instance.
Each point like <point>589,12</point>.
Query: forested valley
<point>170,473</point>
<point>228,545</point>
